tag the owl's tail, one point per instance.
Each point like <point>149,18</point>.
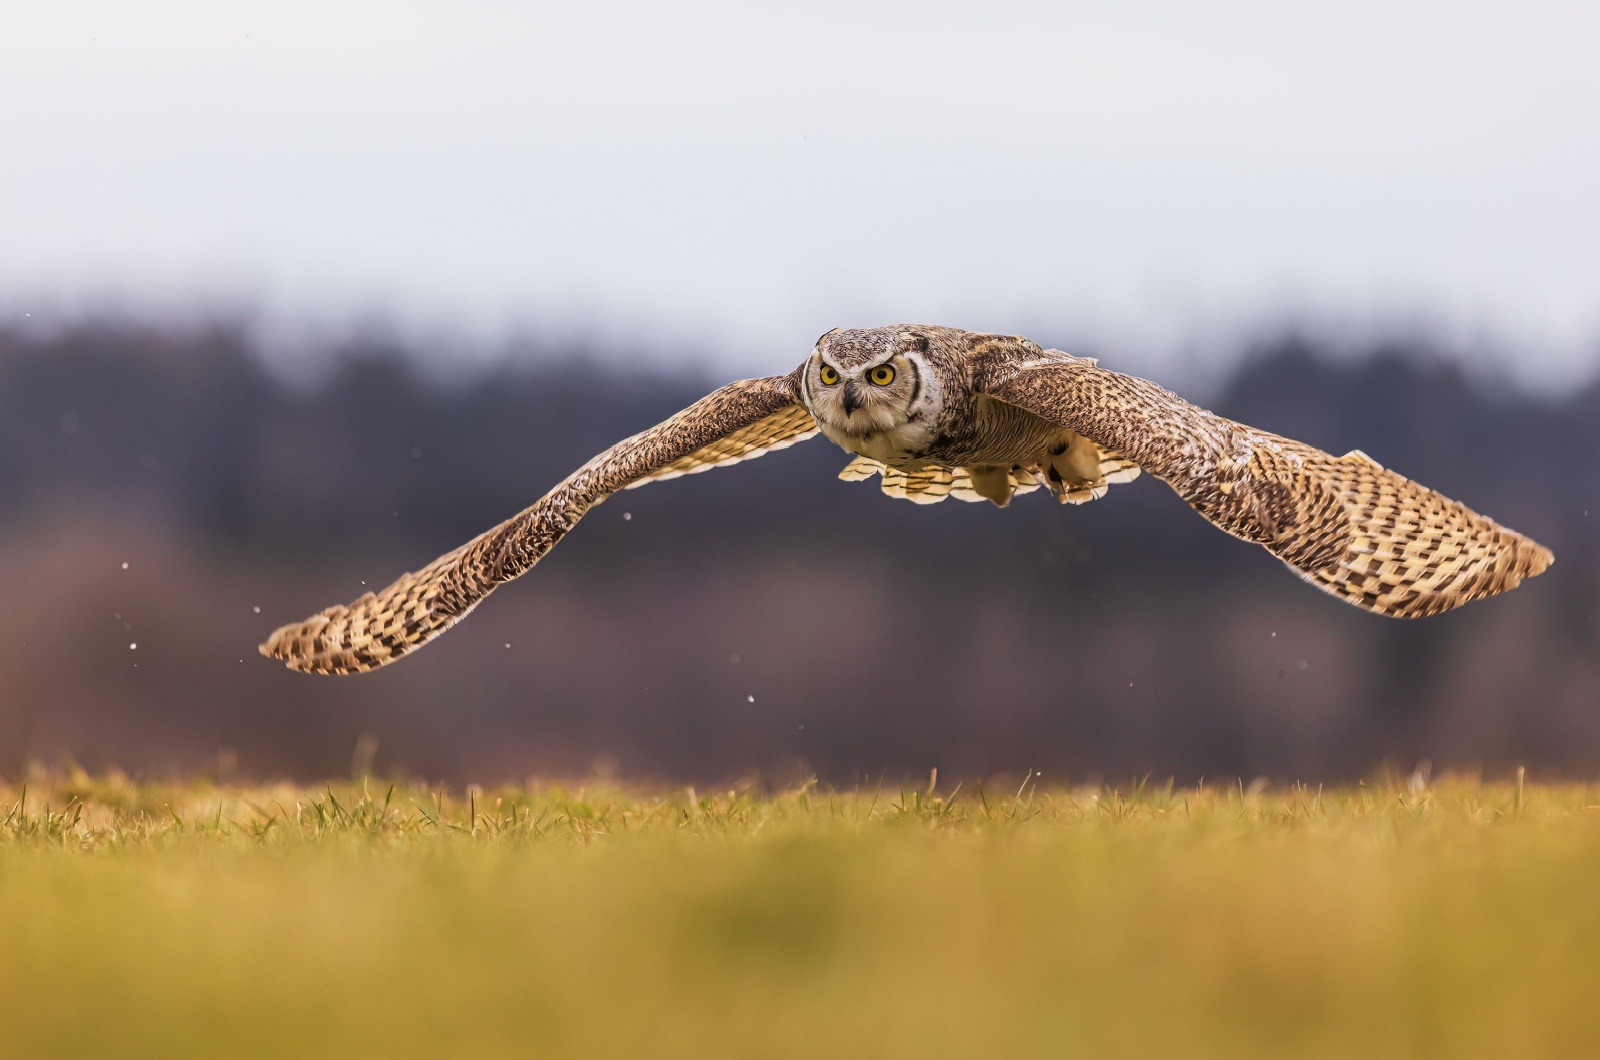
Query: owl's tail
<point>1372,537</point>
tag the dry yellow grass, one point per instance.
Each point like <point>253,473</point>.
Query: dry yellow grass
<point>1378,921</point>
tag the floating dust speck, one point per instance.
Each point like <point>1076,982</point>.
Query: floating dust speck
<point>124,564</point>
<point>133,646</point>
<point>508,644</point>
<point>1302,666</point>
<point>749,699</point>
<point>256,609</point>
<point>627,517</point>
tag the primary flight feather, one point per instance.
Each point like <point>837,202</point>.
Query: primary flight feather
<point>938,412</point>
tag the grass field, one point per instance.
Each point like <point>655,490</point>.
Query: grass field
<point>364,920</point>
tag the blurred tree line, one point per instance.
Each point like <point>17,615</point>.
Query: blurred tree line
<point>165,501</point>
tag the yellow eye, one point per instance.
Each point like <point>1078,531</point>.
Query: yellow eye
<point>829,375</point>
<point>882,375</point>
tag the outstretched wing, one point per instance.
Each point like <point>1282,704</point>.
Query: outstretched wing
<point>777,431</point>
<point>1344,523</point>
<point>380,627</point>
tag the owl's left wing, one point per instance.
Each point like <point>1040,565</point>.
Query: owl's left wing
<point>1367,535</point>
<point>380,627</point>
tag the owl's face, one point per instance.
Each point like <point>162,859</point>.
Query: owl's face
<point>866,382</point>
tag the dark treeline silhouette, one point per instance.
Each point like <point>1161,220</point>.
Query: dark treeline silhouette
<point>166,501</point>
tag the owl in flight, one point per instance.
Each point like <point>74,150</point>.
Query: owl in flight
<point>937,412</point>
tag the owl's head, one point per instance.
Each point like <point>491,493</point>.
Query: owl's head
<point>870,380</point>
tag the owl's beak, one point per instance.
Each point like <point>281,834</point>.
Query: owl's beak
<point>852,397</point>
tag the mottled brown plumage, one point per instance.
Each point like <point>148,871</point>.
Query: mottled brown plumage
<point>937,413</point>
<point>380,627</point>
<point>778,431</point>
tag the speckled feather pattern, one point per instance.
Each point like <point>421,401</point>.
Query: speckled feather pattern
<point>380,627</point>
<point>777,431</point>
<point>1345,524</point>
<point>1010,418</point>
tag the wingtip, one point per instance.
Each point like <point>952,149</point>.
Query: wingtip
<point>294,646</point>
<point>275,646</point>
<point>1530,559</point>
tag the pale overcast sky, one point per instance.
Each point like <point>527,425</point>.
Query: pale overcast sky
<point>727,181</point>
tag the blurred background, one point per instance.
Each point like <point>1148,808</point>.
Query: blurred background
<point>294,297</point>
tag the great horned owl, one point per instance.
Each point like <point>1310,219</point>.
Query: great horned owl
<point>938,412</point>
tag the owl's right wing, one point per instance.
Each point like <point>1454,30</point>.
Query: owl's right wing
<point>739,420</point>
<point>768,434</point>
<point>1344,523</point>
